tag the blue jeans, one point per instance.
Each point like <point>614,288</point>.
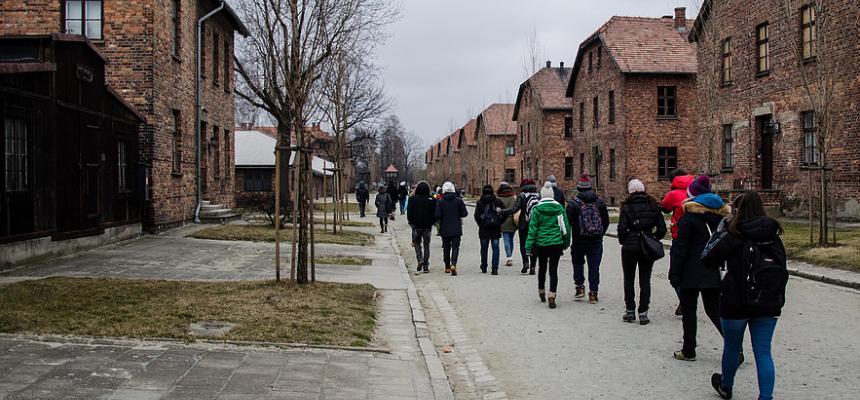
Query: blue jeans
<point>484,244</point>
<point>593,253</point>
<point>761,334</point>
<point>508,238</point>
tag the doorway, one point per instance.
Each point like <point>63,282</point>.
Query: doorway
<point>764,126</point>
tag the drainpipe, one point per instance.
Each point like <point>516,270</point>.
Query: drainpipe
<point>198,107</point>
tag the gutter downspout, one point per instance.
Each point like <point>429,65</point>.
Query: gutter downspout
<point>198,107</point>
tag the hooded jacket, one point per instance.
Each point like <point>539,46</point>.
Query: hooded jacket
<point>361,193</point>
<point>639,213</point>
<point>674,200</point>
<point>450,210</point>
<point>723,248</point>
<point>402,193</point>
<point>421,208</point>
<point>527,192</point>
<point>573,211</point>
<point>487,199</point>
<point>558,195</point>
<point>686,269</point>
<point>506,195</point>
<point>383,203</point>
<point>548,226</point>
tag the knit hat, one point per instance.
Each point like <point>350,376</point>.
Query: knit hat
<point>635,186</point>
<point>526,182</point>
<point>403,183</point>
<point>448,187</point>
<point>551,179</point>
<point>546,191</point>
<point>701,185</point>
<point>583,183</point>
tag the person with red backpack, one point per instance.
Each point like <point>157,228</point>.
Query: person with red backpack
<point>589,220</point>
<point>674,203</point>
<point>521,213</point>
<point>489,222</point>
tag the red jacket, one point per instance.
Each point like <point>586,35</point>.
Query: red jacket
<point>674,200</point>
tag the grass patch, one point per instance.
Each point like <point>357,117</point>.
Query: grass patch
<point>322,313</point>
<point>343,260</point>
<point>256,233</point>
<point>329,207</point>
<point>350,223</point>
<point>845,256</point>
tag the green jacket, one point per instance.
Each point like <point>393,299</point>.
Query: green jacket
<point>548,226</point>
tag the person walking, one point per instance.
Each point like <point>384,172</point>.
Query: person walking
<point>402,195</point>
<point>557,193</point>
<point>383,205</point>
<point>489,220</point>
<point>548,236</point>
<point>506,195</point>
<point>702,215</point>
<point>363,196</point>
<point>673,203</point>
<point>761,255</point>
<point>589,221</point>
<point>421,214</point>
<point>521,212</point>
<point>640,215</point>
<point>450,211</point>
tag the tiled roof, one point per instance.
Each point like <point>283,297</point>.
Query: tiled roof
<point>497,119</point>
<point>649,45</point>
<point>454,139</point>
<point>468,131</point>
<point>548,84</point>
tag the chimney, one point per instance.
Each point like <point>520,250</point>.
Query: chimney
<point>681,19</point>
<point>561,65</point>
<point>548,63</point>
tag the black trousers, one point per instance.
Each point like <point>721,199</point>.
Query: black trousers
<point>689,306</point>
<point>450,250</point>
<point>527,261</point>
<point>548,257</point>
<point>383,222</point>
<point>630,259</point>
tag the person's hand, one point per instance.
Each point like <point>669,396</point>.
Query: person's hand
<point>498,210</point>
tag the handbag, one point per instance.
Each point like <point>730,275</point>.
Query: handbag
<point>651,247</point>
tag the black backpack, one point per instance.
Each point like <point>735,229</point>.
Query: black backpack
<point>490,218</point>
<point>762,283</point>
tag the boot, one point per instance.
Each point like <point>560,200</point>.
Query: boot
<point>426,268</point>
<point>580,292</point>
<point>495,271</point>
<point>592,297</point>
<point>453,270</point>
<point>629,316</point>
<point>643,318</point>
<point>551,300</point>
<point>531,270</point>
<point>447,269</point>
<point>525,269</point>
<point>542,295</point>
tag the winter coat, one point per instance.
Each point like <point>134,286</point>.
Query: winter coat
<point>507,202</point>
<point>361,194</point>
<point>674,200</point>
<point>723,249</point>
<point>450,211</point>
<point>639,213</point>
<point>558,195</point>
<point>527,192</point>
<point>686,269</point>
<point>548,226</point>
<point>487,232</point>
<point>421,211</point>
<point>402,193</point>
<point>573,211</point>
<point>383,204</point>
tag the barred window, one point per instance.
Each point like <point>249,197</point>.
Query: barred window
<point>568,127</point>
<point>763,46</point>
<point>177,26</point>
<point>16,155</point>
<point>666,101</point>
<point>596,112</point>
<point>568,168</point>
<point>122,166</point>
<point>84,17</point>
<point>611,106</point>
<point>726,66</point>
<point>810,138</point>
<point>177,142</point>
<point>808,31</point>
<point>728,147</point>
<point>612,165</point>
<point>667,161</point>
<point>510,175</point>
<point>581,116</point>
<point>257,180</point>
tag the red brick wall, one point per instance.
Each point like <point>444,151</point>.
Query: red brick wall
<point>544,146</point>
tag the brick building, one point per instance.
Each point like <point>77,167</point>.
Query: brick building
<point>467,147</point>
<point>496,135</point>
<point>633,92</point>
<point>151,51</point>
<point>544,121</point>
<point>761,124</point>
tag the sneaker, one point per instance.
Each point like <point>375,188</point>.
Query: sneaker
<point>495,271</point>
<point>643,318</point>
<point>580,292</point>
<point>453,270</point>
<point>717,384</point>
<point>552,300</point>
<point>509,262</point>
<point>592,297</point>
<point>629,316</point>
<point>679,355</point>
<point>483,270</point>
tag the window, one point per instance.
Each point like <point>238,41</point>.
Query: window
<point>568,168</point>
<point>177,142</point>
<point>216,59</point>
<point>581,162</point>
<point>596,110</point>
<point>528,132</point>
<point>726,66</point>
<point>509,147</point>
<point>16,158</point>
<point>521,135</point>
<point>810,139</point>
<point>84,17</point>
<point>807,25</point>
<point>763,45</point>
<point>612,165</point>
<point>177,27</point>
<point>227,71</point>
<point>510,175</point>
<point>122,166</point>
<point>258,180</point>
<point>666,101</point>
<point>599,57</point>
<point>582,116</point>
<point>226,153</point>
<point>611,106</point>
<point>728,150</point>
<point>568,127</point>
<point>203,50</point>
<point>667,161</point>
<point>216,162</point>
<point>590,61</point>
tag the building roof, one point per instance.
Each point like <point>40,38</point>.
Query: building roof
<point>701,20</point>
<point>234,19</point>
<point>391,169</point>
<point>255,149</point>
<point>454,141</point>
<point>467,132</point>
<point>639,45</point>
<point>497,119</point>
<point>548,84</point>
<point>315,132</point>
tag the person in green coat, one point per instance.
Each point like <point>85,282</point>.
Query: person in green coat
<point>548,237</point>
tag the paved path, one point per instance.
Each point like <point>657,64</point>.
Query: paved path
<point>506,344</point>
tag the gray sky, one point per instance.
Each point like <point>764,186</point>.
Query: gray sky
<point>448,59</point>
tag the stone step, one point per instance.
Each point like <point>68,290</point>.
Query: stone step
<point>219,219</point>
<point>208,207</point>
<point>206,202</point>
<point>216,213</point>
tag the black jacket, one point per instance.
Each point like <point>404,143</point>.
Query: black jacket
<point>450,211</point>
<point>421,211</point>
<point>488,232</point>
<point>573,211</point>
<point>520,205</point>
<point>723,249</point>
<point>639,213</point>
<point>686,269</point>
<point>558,195</point>
<point>402,193</point>
<point>362,195</point>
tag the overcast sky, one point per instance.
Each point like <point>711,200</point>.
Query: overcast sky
<point>448,59</point>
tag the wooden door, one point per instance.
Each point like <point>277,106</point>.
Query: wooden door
<point>766,151</point>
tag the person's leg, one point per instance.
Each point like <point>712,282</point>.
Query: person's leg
<point>416,243</point>
<point>446,251</point>
<point>595,256</point>
<point>425,235</point>
<point>733,338</point>
<point>628,266</point>
<point>508,237</point>
<point>554,258</point>
<point>646,266</point>
<point>523,252</point>
<point>542,264</point>
<point>761,335</point>
<point>484,244</point>
<point>361,206</point>
<point>577,255</point>
<point>494,243</point>
<point>711,301</point>
<point>689,306</point>
<point>455,249</point>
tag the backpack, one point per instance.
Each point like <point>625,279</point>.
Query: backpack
<point>489,217</point>
<point>590,224</point>
<point>531,202</point>
<point>763,281</point>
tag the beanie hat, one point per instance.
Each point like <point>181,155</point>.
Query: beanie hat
<point>526,182</point>
<point>701,185</point>
<point>635,186</point>
<point>546,191</point>
<point>551,179</point>
<point>583,183</point>
<point>448,187</point>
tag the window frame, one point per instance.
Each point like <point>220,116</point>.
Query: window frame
<point>612,165</point>
<point>665,94</point>
<point>510,175</point>
<point>227,59</point>
<point>582,116</point>
<point>809,26</point>
<point>667,161</point>
<point>83,20</point>
<point>262,181</point>
<point>216,59</point>
<point>568,169</point>
<point>18,156</point>
<point>599,57</point>
<point>590,61</point>
<point>510,147</point>
<point>581,163</point>
<point>611,107</point>
<point>726,60</point>
<point>122,166</point>
<point>568,127</point>
<point>176,19</point>
<point>176,144</point>
<point>762,49</point>
<point>596,112</point>
<point>728,148</point>
<point>810,138</point>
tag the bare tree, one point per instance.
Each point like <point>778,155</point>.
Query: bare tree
<point>413,155</point>
<point>710,97</point>
<point>533,54</point>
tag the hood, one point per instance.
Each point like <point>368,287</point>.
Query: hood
<point>759,229</point>
<point>587,196</point>
<point>362,186</point>
<point>487,194</point>
<point>548,207</point>
<point>681,182</point>
<point>638,197</point>
<point>707,203</point>
<point>449,196</point>
<point>422,189</point>
<point>529,189</point>
<point>505,190</point>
